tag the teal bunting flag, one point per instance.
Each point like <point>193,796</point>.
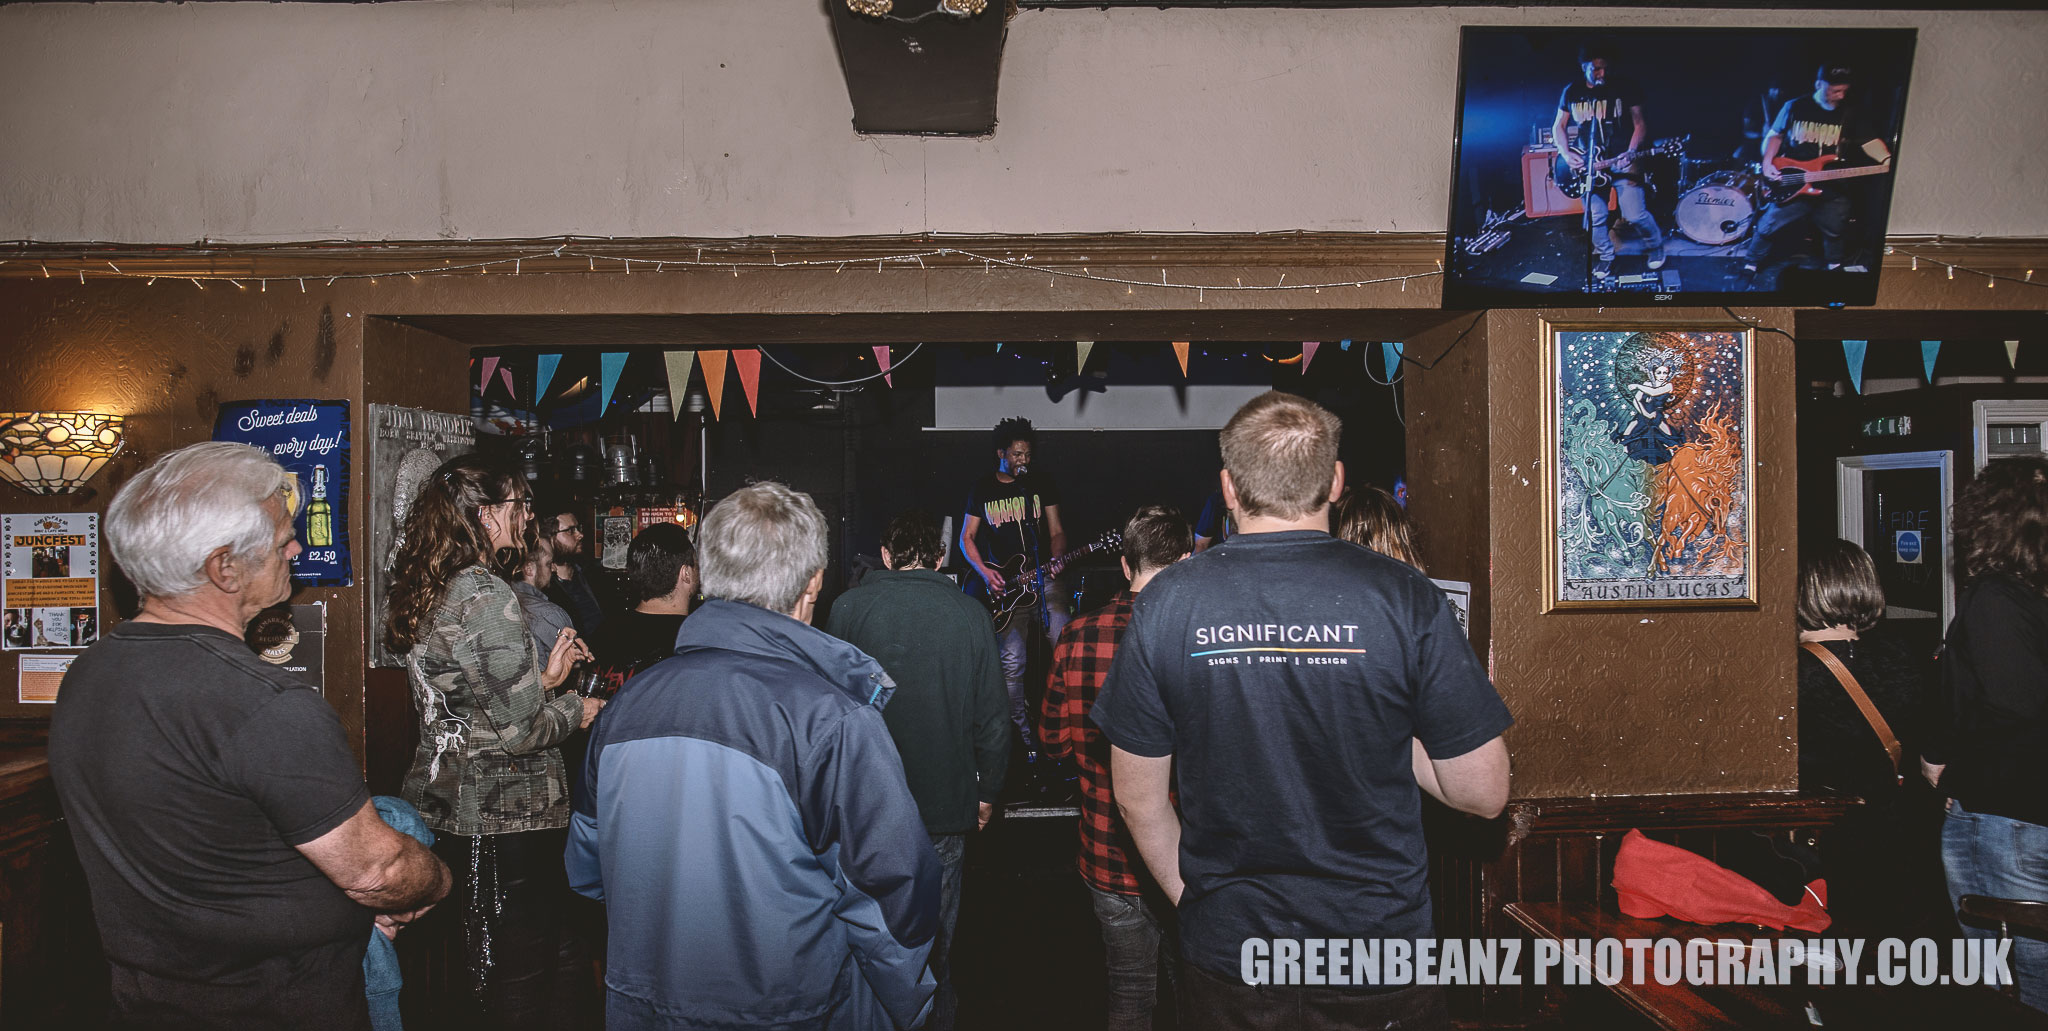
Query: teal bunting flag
<point>1853,352</point>
<point>610,364</point>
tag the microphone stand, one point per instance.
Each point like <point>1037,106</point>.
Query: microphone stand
<point>1590,134</point>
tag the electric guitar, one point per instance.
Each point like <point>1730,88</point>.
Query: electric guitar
<point>1020,585</point>
<point>1799,176</point>
<point>1572,182</point>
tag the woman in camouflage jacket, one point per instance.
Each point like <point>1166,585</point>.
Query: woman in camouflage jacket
<point>488,775</point>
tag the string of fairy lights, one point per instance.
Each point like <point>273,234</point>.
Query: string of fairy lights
<point>953,257</point>
<point>515,263</point>
<point>1991,279</point>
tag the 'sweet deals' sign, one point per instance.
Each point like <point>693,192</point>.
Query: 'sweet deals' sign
<point>310,439</point>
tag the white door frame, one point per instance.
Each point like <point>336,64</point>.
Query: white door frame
<point>1983,413</point>
<point>1849,471</point>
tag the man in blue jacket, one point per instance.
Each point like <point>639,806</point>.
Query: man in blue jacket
<point>743,812</point>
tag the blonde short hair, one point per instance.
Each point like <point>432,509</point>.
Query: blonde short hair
<point>1281,452</point>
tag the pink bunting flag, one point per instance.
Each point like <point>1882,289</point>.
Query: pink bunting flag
<point>1308,352</point>
<point>748,363</point>
<point>483,384</point>
<point>884,357</point>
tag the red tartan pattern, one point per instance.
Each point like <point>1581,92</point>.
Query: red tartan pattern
<point>1080,663</point>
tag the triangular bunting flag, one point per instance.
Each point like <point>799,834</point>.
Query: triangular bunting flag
<point>1180,351</point>
<point>483,384</point>
<point>1929,351</point>
<point>1081,349</point>
<point>505,377</point>
<point>1308,352</point>
<point>1343,345</point>
<point>544,374</point>
<point>678,363</point>
<point>883,357</point>
<point>714,379</point>
<point>747,361</point>
<point>1853,352</point>
<point>2012,354</point>
<point>609,365</point>
<point>1390,355</point>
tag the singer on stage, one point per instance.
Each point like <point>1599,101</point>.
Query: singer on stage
<point>1011,530</point>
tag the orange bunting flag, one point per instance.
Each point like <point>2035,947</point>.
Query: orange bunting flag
<point>748,362</point>
<point>714,379</point>
<point>678,363</point>
<point>1180,351</point>
<point>883,358</point>
<point>1308,352</point>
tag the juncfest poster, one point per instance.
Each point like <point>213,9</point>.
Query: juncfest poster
<point>310,439</point>
<point>51,587</point>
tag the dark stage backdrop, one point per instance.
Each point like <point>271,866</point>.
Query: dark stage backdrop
<point>874,457</point>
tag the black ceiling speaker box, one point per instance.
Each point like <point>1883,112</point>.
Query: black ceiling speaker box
<point>919,68</point>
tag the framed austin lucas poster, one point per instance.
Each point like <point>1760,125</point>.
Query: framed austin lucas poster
<point>1650,482</point>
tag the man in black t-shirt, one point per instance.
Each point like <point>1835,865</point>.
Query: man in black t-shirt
<point>1822,127</point>
<point>661,584</point>
<point>1606,115</point>
<point>1012,529</point>
<point>234,859</point>
<point>1301,692</point>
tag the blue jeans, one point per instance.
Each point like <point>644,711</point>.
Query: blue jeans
<point>1016,656</point>
<point>2003,858</point>
<point>1629,197</point>
<point>1131,936</point>
<point>952,850</point>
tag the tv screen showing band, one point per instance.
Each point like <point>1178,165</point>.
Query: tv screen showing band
<point>1673,166</point>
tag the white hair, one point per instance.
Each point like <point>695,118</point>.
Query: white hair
<point>188,504</point>
<point>761,546</point>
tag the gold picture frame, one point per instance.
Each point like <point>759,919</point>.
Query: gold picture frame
<point>1649,484</point>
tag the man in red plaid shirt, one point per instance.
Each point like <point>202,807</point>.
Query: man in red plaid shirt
<point>1127,903</point>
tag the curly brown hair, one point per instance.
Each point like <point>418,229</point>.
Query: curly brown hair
<point>2001,522</point>
<point>444,534</point>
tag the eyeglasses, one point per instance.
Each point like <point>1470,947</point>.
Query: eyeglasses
<point>577,530</point>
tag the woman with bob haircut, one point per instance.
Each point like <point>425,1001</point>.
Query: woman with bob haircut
<point>1988,750</point>
<point>1880,858</point>
<point>488,775</point>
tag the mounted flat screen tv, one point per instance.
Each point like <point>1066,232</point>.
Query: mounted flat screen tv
<point>1719,165</point>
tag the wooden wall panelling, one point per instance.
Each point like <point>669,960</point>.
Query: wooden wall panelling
<point>1649,701</point>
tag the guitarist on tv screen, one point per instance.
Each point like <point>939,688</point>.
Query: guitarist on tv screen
<point>1012,527</point>
<point>1816,138</point>
<point>1599,130</point>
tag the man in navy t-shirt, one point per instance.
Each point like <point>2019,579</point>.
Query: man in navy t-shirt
<point>1300,692</point>
<point>1828,128</point>
<point>1599,122</point>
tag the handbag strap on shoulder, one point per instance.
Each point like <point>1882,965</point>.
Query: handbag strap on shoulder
<point>1862,700</point>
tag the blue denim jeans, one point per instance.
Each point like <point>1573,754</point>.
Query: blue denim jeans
<point>2003,858</point>
<point>1131,936</point>
<point>1629,197</point>
<point>952,850</point>
<point>1016,656</point>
